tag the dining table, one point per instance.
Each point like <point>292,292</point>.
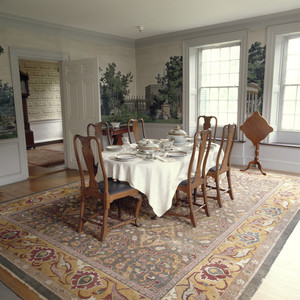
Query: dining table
<point>156,177</point>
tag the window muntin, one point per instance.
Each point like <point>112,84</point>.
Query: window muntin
<point>290,87</point>
<point>219,82</point>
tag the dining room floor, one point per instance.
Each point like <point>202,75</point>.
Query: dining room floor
<point>280,276</point>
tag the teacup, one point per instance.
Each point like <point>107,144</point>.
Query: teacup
<point>166,144</point>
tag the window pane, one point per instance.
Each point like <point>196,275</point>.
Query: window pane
<point>290,92</point>
<point>287,122</point>
<point>222,75</point>
<point>288,107</point>
<point>235,52</point>
<point>290,97</point>
<point>224,79</point>
<point>224,53</point>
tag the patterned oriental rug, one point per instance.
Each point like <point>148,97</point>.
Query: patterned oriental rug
<point>45,157</point>
<point>164,258</point>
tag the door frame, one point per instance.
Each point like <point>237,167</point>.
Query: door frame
<point>17,53</point>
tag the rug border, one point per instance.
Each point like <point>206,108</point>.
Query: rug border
<point>264,269</point>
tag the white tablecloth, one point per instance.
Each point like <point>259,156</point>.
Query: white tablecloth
<point>156,179</point>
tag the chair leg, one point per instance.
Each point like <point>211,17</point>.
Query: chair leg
<point>192,213</point>
<point>195,195</point>
<point>137,209</point>
<point>119,209</point>
<point>218,191</point>
<point>177,198</point>
<point>228,175</point>
<point>104,228</point>
<point>81,221</point>
<point>203,186</point>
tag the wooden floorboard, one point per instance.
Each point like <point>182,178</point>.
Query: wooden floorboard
<point>37,183</point>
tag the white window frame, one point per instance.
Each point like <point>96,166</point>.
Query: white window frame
<point>273,79</point>
<point>190,76</point>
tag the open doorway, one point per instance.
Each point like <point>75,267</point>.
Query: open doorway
<point>42,116</point>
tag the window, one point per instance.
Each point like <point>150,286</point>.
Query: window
<point>219,69</point>
<point>282,83</point>
<point>290,87</point>
<point>216,79</point>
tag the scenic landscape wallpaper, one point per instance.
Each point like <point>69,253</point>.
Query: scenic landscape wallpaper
<point>7,110</point>
<point>162,102</point>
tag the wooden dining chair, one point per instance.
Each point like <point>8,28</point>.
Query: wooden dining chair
<point>195,177</point>
<point>223,163</point>
<point>105,191</point>
<point>207,124</point>
<point>96,129</point>
<point>134,126</point>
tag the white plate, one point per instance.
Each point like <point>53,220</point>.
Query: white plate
<point>125,156</point>
<point>176,154</point>
<point>113,147</point>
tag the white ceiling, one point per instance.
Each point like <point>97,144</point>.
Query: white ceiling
<point>121,17</point>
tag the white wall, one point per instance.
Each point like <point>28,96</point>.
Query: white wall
<point>13,166</point>
<point>47,130</point>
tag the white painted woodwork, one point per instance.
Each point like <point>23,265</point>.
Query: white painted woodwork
<point>81,94</point>
<point>13,158</point>
<point>47,130</point>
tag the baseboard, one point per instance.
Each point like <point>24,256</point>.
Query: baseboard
<point>48,142</point>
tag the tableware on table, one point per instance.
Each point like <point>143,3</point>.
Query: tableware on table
<point>166,144</point>
<point>114,147</point>
<point>177,135</point>
<point>155,141</point>
<point>115,125</point>
<point>149,147</point>
<point>188,147</point>
<point>142,142</point>
<point>126,145</point>
<point>176,154</point>
<point>134,146</point>
<point>125,156</point>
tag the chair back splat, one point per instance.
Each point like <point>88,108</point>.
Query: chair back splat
<point>105,191</point>
<point>207,124</point>
<point>98,130</point>
<point>223,164</point>
<point>196,177</point>
<point>135,125</point>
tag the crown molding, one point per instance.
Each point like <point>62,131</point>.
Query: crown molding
<point>8,20</point>
<point>244,24</point>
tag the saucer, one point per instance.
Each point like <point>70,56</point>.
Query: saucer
<point>113,147</point>
<point>125,156</point>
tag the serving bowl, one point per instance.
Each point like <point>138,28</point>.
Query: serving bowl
<point>148,147</point>
<point>177,135</point>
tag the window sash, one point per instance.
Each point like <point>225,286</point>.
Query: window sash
<point>222,66</point>
<point>289,99</point>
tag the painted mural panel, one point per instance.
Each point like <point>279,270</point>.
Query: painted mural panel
<point>162,102</point>
<point>7,110</point>
<point>255,81</point>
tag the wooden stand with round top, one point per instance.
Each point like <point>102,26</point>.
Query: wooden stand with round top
<point>256,128</point>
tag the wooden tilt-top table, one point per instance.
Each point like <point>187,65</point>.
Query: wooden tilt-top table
<point>256,128</point>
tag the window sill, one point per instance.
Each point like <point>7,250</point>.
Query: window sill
<point>281,145</point>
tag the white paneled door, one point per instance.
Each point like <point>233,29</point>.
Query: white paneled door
<point>81,97</point>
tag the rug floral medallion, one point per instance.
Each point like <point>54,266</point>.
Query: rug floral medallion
<point>164,258</point>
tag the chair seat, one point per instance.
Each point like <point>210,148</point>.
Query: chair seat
<point>114,187</point>
<point>213,169</point>
<point>185,182</point>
